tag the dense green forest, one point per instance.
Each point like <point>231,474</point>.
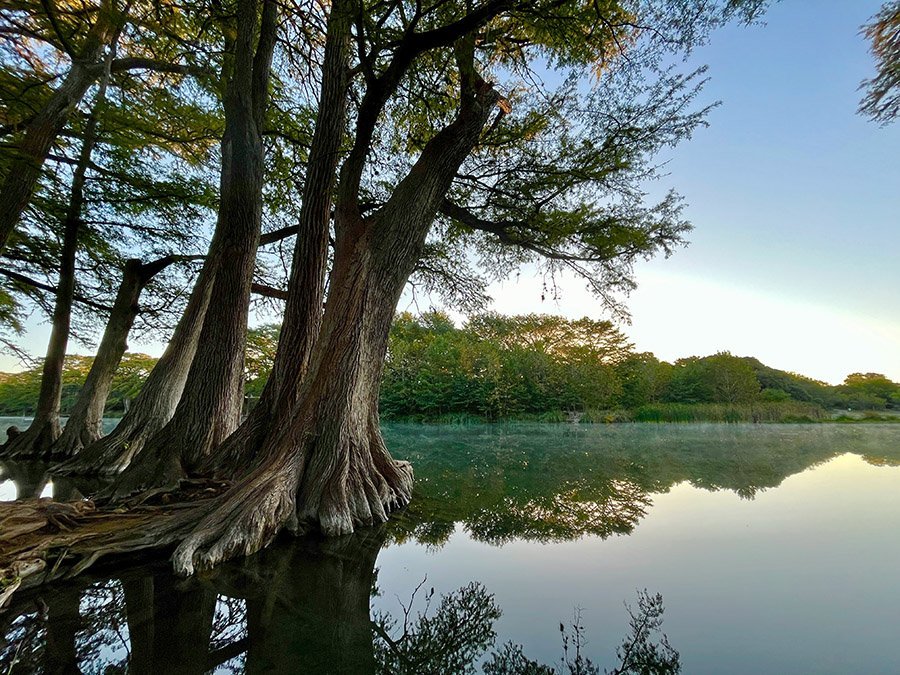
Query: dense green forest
<point>534,366</point>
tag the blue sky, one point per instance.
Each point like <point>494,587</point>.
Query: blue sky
<point>796,203</point>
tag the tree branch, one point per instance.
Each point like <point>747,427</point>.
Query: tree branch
<point>268,291</point>
<point>140,63</point>
<point>28,281</point>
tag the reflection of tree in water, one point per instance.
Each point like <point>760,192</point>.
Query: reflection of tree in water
<point>614,507</point>
<point>558,482</point>
<point>302,606</point>
<point>30,479</point>
<point>142,622</point>
<point>459,633</point>
<point>305,606</point>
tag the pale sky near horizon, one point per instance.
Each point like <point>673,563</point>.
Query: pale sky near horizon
<point>795,200</point>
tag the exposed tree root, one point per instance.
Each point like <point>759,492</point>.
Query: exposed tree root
<point>71,442</point>
<point>112,454</point>
<point>42,540</point>
<point>35,442</point>
<point>248,517</point>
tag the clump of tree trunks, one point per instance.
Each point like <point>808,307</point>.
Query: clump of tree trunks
<point>422,137</point>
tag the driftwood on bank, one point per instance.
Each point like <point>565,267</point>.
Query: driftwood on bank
<point>42,540</point>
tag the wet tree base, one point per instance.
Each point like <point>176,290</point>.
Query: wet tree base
<point>42,540</point>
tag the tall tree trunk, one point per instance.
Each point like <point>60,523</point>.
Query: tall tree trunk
<point>85,423</point>
<point>24,170</point>
<point>306,286</point>
<point>45,428</point>
<point>210,407</point>
<point>159,396</point>
<point>326,464</point>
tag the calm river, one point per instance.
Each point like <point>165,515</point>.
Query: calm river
<point>776,549</point>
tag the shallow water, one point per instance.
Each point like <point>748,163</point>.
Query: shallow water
<point>775,549</point>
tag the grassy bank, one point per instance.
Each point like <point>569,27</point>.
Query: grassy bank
<point>780,412</point>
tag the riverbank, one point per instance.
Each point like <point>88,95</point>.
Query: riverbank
<point>759,413</point>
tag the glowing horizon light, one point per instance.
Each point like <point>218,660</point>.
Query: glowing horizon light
<point>676,316</point>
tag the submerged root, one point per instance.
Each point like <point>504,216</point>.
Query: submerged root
<point>35,442</point>
<point>251,515</point>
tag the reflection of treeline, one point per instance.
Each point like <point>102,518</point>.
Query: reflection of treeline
<point>556,482</point>
<point>303,606</point>
<point>538,367</point>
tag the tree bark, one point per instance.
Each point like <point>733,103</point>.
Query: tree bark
<point>326,465</point>
<point>36,441</point>
<point>45,428</point>
<point>210,407</point>
<point>306,286</point>
<point>158,398</point>
<point>24,170</point>
<point>85,423</point>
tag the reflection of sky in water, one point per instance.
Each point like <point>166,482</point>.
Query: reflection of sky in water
<point>774,548</point>
<point>7,491</point>
<point>800,579</point>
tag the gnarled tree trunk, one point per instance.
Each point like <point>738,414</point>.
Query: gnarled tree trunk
<point>210,407</point>
<point>326,464</point>
<point>156,402</point>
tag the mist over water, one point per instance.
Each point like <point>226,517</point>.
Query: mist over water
<point>774,548</point>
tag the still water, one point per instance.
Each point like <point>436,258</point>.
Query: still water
<point>776,549</point>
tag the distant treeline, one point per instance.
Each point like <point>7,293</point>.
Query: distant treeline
<point>543,367</point>
<point>534,366</point>
<point>19,391</point>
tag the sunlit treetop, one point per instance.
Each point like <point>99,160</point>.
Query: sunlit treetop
<point>589,93</point>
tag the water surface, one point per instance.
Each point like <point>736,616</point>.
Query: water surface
<point>775,549</point>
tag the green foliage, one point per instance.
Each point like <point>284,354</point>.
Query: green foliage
<point>543,368</point>
<point>721,378</point>
<point>761,412</point>
<point>499,367</point>
<point>262,343</point>
<point>882,98</point>
<point>532,368</point>
<point>868,391</point>
<point>19,391</point>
